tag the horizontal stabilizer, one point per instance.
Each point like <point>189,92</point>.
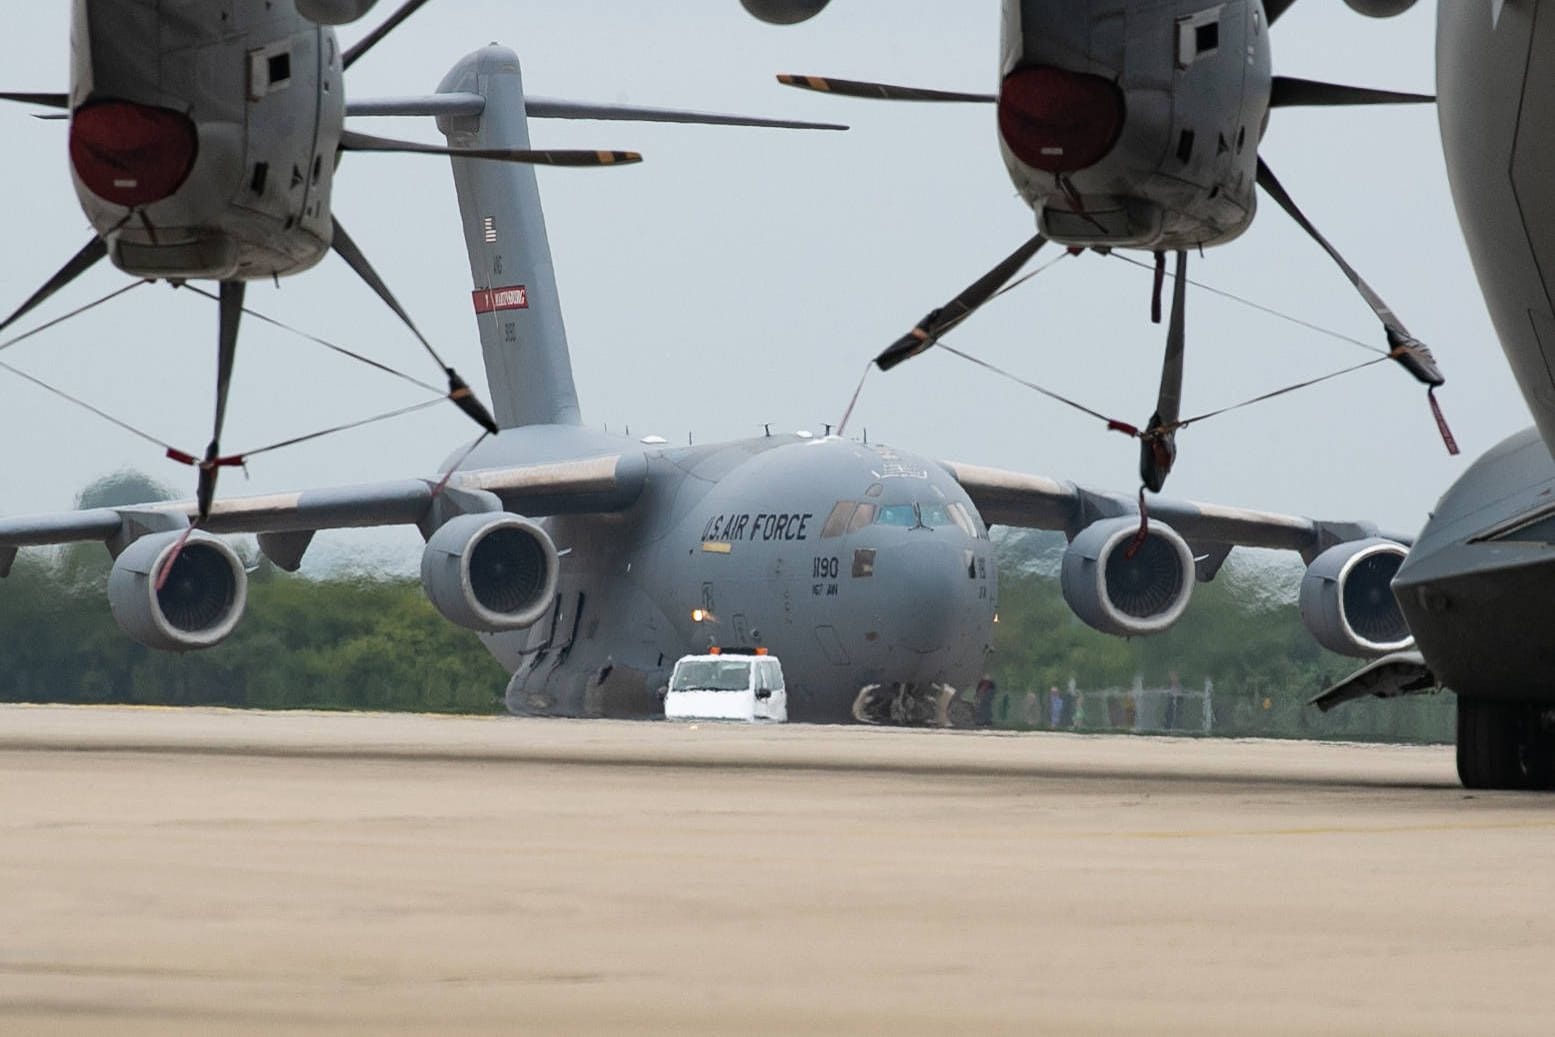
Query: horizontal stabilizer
<point>1309,93</point>
<point>47,100</point>
<point>350,141</point>
<point>881,91</point>
<point>1402,673</point>
<point>462,104</point>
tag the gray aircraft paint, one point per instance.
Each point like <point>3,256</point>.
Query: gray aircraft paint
<point>257,203</point>
<point>1494,78</point>
<point>516,301</point>
<point>1477,586</point>
<point>735,530</point>
<point>1150,191</point>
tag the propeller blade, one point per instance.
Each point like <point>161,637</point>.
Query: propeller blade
<point>79,264</point>
<point>1290,92</point>
<point>1409,351</point>
<point>1158,444</point>
<point>47,100</point>
<point>881,91</point>
<point>457,104</point>
<point>1275,8</point>
<point>231,305</point>
<point>352,141</point>
<point>939,321</point>
<point>551,108</point>
<point>458,391</point>
<point>232,293</point>
<point>372,39</point>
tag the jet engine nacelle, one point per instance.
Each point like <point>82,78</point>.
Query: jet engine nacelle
<point>199,603</point>
<point>1380,8</point>
<point>784,12</point>
<point>1127,592</point>
<point>490,572</point>
<point>334,12</point>
<point>1347,601</point>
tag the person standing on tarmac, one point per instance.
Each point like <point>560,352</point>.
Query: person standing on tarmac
<point>986,689</point>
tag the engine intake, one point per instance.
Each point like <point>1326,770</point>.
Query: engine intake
<point>200,602</point>
<point>1347,601</point>
<point>1124,592</point>
<point>490,572</point>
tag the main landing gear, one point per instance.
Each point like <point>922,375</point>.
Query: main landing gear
<point>1505,745</point>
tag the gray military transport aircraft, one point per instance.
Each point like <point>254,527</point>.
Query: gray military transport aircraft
<point>588,562</point>
<point>1478,588</point>
<point>1135,124</point>
<point>203,144</point>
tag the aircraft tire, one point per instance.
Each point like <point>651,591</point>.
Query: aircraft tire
<point>1498,746</point>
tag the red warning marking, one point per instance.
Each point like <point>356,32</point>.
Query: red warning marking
<point>489,300</point>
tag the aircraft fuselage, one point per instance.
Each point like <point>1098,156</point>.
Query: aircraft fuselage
<point>1135,124</point>
<point>1479,586</point>
<point>861,568</point>
<point>203,136</point>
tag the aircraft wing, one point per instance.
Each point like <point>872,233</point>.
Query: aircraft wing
<point>1008,498</point>
<point>286,521</point>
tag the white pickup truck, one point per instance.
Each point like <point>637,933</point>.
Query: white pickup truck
<point>727,686</point>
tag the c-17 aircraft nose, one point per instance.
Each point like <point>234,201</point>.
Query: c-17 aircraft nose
<point>928,589</point>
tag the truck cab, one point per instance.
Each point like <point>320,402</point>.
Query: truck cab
<point>727,686</point>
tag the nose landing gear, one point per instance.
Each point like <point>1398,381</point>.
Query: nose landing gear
<point>906,705</point>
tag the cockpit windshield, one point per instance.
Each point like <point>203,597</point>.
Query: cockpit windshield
<point>712,675</point>
<point>933,514</point>
<point>852,516</point>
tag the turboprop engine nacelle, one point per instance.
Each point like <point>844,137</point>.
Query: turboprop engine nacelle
<point>784,12</point>
<point>1380,8</point>
<point>1125,592</point>
<point>199,603</point>
<point>490,572</point>
<point>334,12</point>
<point>1347,601</point>
<point>232,181</point>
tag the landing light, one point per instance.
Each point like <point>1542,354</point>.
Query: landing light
<point>702,616</point>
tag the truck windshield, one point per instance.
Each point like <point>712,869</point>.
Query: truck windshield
<point>712,675</point>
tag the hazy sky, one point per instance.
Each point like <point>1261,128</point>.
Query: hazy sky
<point>743,276</point>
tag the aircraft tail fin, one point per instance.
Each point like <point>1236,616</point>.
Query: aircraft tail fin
<point>523,338</point>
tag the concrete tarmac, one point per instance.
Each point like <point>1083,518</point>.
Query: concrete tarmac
<point>199,871</point>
